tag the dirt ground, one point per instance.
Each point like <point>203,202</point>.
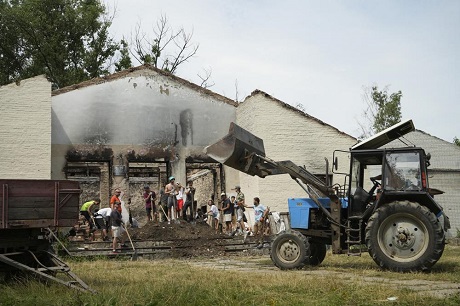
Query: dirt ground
<point>175,231</point>
<point>189,239</point>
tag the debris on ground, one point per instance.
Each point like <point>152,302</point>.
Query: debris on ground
<point>175,231</point>
<point>179,239</point>
<point>188,239</point>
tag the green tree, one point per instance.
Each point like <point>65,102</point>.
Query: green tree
<point>383,110</point>
<point>67,40</point>
<point>125,59</point>
<point>457,141</point>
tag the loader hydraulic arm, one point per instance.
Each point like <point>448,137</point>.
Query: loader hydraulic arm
<point>245,152</point>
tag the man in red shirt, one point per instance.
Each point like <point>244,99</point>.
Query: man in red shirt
<point>116,198</point>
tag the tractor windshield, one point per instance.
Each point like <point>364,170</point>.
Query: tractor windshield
<point>402,171</point>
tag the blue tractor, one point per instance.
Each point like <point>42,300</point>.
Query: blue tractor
<point>384,205</point>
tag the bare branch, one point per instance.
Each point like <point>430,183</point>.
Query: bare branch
<point>236,90</point>
<point>300,107</point>
<point>183,45</point>
<point>177,43</point>
<point>137,41</point>
<point>204,79</point>
<point>368,114</point>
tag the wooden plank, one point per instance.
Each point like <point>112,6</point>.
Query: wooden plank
<point>39,223</point>
<point>36,188</point>
<point>31,203</point>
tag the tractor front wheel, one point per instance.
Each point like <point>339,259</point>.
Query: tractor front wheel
<point>404,236</point>
<point>317,253</point>
<point>290,250</point>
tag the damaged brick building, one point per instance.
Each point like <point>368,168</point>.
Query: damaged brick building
<point>136,128</point>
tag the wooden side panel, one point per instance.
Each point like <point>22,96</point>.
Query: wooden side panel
<point>38,203</point>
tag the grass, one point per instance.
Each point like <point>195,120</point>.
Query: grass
<point>446,269</point>
<point>176,282</point>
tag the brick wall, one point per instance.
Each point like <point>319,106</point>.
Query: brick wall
<point>25,129</point>
<point>449,182</point>
<point>288,135</point>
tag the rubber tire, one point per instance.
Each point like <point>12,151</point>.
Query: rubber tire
<point>295,244</point>
<point>427,256</point>
<point>317,253</point>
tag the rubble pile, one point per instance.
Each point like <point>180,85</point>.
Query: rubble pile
<point>186,239</point>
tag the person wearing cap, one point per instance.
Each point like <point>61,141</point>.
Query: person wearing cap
<point>170,191</point>
<point>240,211</point>
<point>149,200</point>
<point>227,210</point>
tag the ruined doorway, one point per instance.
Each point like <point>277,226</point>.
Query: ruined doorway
<point>208,179</point>
<point>153,174</point>
<point>94,178</point>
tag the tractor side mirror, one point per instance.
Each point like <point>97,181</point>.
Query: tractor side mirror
<point>428,157</point>
<point>335,160</point>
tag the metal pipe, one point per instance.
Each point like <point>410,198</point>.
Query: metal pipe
<point>5,206</point>
<point>312,194</point>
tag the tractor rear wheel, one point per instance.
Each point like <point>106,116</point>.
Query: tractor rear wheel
<point>317,253</point>
<point>404,236</point>
<point>290,250</point>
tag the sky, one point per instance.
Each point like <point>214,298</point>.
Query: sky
<point>321,54</point>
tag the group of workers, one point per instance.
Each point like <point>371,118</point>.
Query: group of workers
<point>107,219</point>
<point>177,202</point>
<point>233,219</point>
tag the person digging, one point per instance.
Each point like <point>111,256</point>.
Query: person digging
<point>118,233</point>
<point>150,208</point>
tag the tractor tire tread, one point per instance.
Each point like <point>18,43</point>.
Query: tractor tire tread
<point>426,261</point>
<point>303,243</point>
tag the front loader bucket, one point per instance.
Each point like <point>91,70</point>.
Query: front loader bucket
<point>234,149</point>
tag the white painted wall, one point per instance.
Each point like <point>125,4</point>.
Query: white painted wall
<point>288,134</point>
<point>25,129</point>
<point>143,107</point>
<point>141,110</point>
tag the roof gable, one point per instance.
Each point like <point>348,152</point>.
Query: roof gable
<point>150,68</point>
<point>444,155</point>
<point>293,109</point>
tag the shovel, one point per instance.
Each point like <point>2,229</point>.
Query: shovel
<point>94,227</point>
<point>166,215</point>
<point>134,258</point>
<point>130,216</point>
<point>151,207</point>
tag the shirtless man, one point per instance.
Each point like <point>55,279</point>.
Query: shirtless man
<point>170,191</point>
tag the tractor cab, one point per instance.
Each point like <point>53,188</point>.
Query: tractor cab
<point>379,176</point>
